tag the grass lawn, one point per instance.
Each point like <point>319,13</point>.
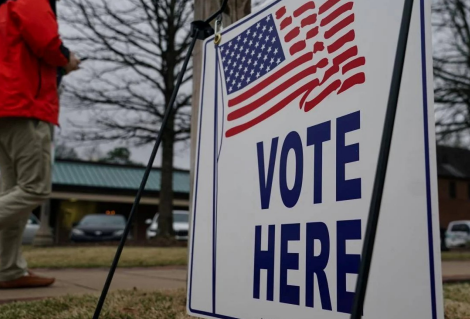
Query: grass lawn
<point>455,255</point>
<point>93,257</point>
<point>119,305</point>
<point>167,305</point>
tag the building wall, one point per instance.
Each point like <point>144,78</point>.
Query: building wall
<point>457,208</point>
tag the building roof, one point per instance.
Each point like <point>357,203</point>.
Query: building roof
<point>110,176</point>
<point>453,162</point>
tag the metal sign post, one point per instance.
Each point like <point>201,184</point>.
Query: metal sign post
<point>381,172</point>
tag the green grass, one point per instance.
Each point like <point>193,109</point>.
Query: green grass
<point>136,304</point>
<point>95,257</point>
<point>457,301</point>
<point>455,255</point>
<point>132,304</point>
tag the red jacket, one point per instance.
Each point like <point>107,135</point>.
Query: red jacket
<point>30,53</point>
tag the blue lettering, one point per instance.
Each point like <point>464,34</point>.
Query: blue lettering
<point>293,142</point>
<point>265,186</point>
<point>346,189</point>
<point>316,135</point>
<point>315,265</point>
<point>264,260</point>
<point>347,264</point>
<point>287,293</point>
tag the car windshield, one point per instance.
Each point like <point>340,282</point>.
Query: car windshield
<point>180,218</point>
<point>103,220</point>
<point>461,228</point>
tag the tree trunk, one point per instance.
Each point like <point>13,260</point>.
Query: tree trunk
<point>236,10</point>
<point>165,220</point>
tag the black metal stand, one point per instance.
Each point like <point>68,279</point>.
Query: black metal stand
<point>374,211</point>
<point>200,30</point>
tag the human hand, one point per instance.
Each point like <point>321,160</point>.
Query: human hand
<point>73,65</point>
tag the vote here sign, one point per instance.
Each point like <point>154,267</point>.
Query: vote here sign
<point>292,110</point>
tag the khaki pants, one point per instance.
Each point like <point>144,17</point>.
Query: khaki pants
<point>25,167</point>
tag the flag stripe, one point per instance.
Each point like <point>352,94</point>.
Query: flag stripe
<point>340,26</point>
<point>311,19</point>
<point>269,96</point>
<point>299,46</point>
<point>286,22</point>
<point>329,73</point>
<point>354,64</point>
<point>312,33</point>
<point>338,44</point>
<point>273,110</point>
<point>304,8</point>
<point>313,85</point>
<point>344,8</point>
<point>327,5</point>
<point>323,95</point>
<point>263,84</point>
<point>292,34</point>
<point>318,47</point>
<point>356,79</point>
<point>281,12</point>
<point>346,55</point>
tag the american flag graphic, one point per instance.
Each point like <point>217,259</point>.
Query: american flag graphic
<point>307,54</point>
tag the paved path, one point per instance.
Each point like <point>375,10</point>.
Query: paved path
<point>80,281</point>
<point>455,271</point>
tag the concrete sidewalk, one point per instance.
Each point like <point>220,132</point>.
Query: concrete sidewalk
<point>81,281</point>
<point>455,271</point>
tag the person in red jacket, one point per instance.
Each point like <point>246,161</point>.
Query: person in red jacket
<point>31,52</point>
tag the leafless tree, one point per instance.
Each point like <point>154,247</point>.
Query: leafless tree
<point>451,22</point>
<point>135,49</point>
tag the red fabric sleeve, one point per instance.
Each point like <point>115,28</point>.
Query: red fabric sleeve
<point>39,29</point>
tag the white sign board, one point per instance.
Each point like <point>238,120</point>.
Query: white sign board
<point>291,117</point>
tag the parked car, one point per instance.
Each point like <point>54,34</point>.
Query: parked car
<point>30,230</point>
<point>458,234</point>
<point>180,225</point>
<point>98,228</point>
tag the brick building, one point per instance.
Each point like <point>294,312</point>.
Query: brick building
<point>453,168</point>
<point>82,188</point>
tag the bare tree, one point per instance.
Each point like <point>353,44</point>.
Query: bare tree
<point>135,49</point>
<point>451,20</point>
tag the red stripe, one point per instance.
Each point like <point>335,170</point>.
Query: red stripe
<point>348,37</point>
<point>356,79</point>
<point>346,55</point>
<point>267,97</point>
<point>315,83</point>
<point>292,34</point>
<point>340,26</point>
<point>323,95</point>
<point>345,7</point>
<point>286,22</point>
<point>311,19</point>
<point>312,33</point>
<point>318,47</point>
<point>276,108</point>
<point>329,73</point>
<point>354,64</point>
<point>323,63</point>
<point>327,5</point>
<point>304,8</point>
<point>280,13</point>
<point>296,48</point>
<point>246,95</point>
